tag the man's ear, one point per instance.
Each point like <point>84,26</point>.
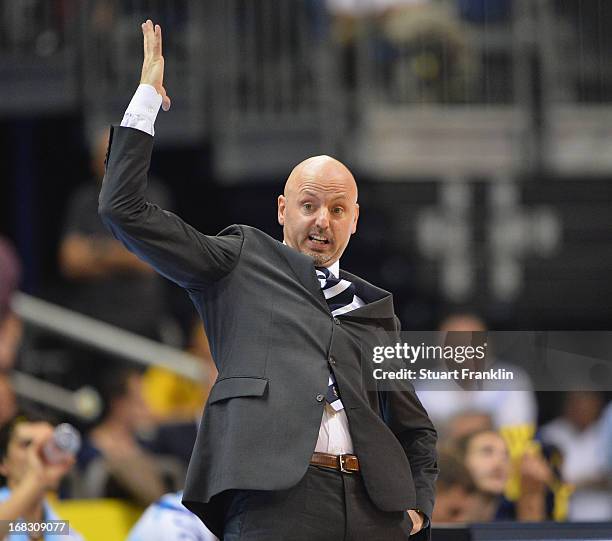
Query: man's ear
<point>3,469</point>
<point>356,217</point>
<point>281,209</point>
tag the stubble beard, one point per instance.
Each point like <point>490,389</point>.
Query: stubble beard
<point>320,260</point>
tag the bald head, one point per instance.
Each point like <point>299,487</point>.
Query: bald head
<point>318,209</point>
<point>324,170</point>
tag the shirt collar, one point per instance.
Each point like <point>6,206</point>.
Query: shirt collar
<point>335,269</point>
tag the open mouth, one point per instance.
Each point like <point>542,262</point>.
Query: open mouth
<point>318,239</point>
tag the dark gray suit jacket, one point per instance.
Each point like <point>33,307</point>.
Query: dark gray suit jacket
<point>273,340</point>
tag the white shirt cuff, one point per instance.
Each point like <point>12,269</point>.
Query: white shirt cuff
<point>142,110</point>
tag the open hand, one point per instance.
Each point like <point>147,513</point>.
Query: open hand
<point>153,63</point>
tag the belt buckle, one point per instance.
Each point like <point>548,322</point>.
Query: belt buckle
<point>341,462</point>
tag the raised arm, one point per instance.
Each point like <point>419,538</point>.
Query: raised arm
<point>174,248</point>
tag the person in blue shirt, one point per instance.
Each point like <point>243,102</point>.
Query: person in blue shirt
<point>168,520</point>
<point>28,477</point>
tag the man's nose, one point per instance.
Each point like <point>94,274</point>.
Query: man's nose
<point>323,218</point>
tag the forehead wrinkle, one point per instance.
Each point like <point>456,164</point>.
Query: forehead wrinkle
<point>329,189</point>
<point>337,191</point>
<point>322,172</point>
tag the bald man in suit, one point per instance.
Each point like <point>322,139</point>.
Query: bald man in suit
<point>292,444</point>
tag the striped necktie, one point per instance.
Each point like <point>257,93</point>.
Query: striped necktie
<point>340,297</point>
<point>339,294</point>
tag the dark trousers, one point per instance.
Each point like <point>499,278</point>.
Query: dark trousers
<point>326,505</point>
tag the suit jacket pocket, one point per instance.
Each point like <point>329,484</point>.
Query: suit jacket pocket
<point>235,386</point>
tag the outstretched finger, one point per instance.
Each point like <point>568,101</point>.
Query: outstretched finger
<point>158,40</point>
<point>149,38</point>
<point>143,26</point>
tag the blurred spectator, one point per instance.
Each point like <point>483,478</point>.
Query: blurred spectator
<point>174,398</point>
<point>421,46</point>
<point>108,282</point>
<point>433,62</point>
<point>455,491</point>
<point>174,442</point>
<point>487,458</point>
<point>8,403</point>
<point>178,402</point>
<point>28,477</point>
<point>113,462</point>
<point>507,407</point>
<point>579,435</point>
<point>10,324</point>
<point>465,423</point>
<point>168,520</point>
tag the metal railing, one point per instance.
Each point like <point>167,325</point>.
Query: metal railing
<point>86,331</point>
<point>274,84</point>
<point>271,65</point>
<point>575,52</point>
<point>84,403</point>
<point>443,95</point>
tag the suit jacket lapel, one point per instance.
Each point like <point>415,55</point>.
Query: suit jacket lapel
<point>303,268</point>
<point>378,302</point>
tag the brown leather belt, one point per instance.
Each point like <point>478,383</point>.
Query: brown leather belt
<point>343,463</point>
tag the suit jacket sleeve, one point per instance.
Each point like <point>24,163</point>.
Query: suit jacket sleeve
<point>407,418</point>
<point>171,246</point>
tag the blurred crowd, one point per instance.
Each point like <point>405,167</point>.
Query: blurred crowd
<point>498,461</point>
<point>138,448</point>
<point>421,46</point>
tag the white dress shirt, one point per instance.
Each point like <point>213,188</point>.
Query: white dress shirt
<point>334,435</point>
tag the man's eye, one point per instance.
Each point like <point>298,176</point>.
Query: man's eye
<point>338,210</point>
<point>307,206</point>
